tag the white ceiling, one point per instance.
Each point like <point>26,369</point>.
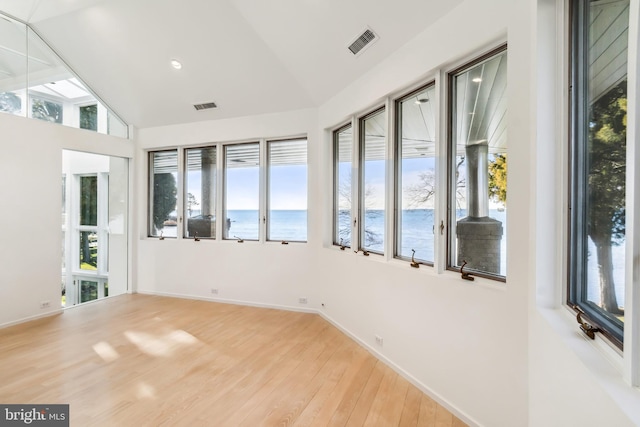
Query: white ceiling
<point>248,56</point>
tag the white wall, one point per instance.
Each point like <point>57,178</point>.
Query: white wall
<point>486,350</point>
<point>31,243</point>
<point>268,274</point>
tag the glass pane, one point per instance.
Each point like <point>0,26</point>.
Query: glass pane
<point>606,133</point>
<point>13,67</point>
<point>478,192</point>
<point>88,290</point>
<point>288,190</point>
<point>88,250</point>
<point>343,149</point>
<point>88,200</point>
<point>200,203</point>
<point>89,117</point>
<point>164,193</point>
<point>242,189</point>
<point>373,140</point>
<point>416,176</point>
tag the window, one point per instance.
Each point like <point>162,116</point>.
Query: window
<point>242,191</point>
<point>287,217</point>
<point>477,192</point>
<point>415,175</point>
<point>48,111</point>
<point>89,117</point>
<point>342,190</point>
<point>163,194</point>
<point>373,132</point>
<point>598,162</point>
<point>200,199</point>
<point>88,226</point>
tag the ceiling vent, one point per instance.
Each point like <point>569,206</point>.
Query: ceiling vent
<point>205,106</point>
<point>366,39</point>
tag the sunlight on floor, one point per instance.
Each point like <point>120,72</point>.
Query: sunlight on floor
<point>160,346</point>
<point>104,350</point>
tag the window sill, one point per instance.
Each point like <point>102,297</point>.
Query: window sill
<point>601,359</point>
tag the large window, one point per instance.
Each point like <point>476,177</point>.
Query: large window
<point>342,191</point>
<point>287,219</point>
<point>416,175</point>
<point>373,133</point>
<point>163,193</point>
<point>242,191</point>
<point>598,167</point>
<point>478,166</point>
<point>200,198</point>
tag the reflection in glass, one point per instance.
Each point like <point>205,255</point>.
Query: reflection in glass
<point>242,187</point>
<point>88,200</point>
<point>343,149</point>
<point>477,180</point>
<point>164,193</point>
<point>372,191</point>
<point>13,68</point>
<point>88,290</point>
<point>88,250</point>
<point>600,140</point>
<point>416,175</point>
<point>89,117</point>
<point>287,190</point>
<point>200,203</point>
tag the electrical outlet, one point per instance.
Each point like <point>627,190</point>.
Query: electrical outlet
<point>214,291</point>
<point>302,300</point>
<point>379,340</point>
<point>45,304</point>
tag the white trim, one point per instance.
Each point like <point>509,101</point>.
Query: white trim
<point>422,387</point>
<point>30,318</point>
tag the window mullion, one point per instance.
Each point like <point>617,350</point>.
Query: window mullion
<point>355,186</point>
<point>440,218</point>
<point>263,196</point>
<point>180,183</point>
<point>389,179</point>
<point>220,186</point>
<point>632,276</point>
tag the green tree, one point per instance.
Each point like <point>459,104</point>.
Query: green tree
<point>164,198</point>
<point>498,178</point>
<point>606,185</point>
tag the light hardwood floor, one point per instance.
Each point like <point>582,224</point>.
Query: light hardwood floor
<point>138,360</point>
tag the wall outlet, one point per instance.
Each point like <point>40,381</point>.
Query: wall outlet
<point>302,300</point>
<point>214,291</point>
<point>379,340</point>
<point>45,304</point>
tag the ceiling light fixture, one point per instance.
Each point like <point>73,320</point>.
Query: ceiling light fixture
<point>422,100</point>
<point>176,64</point>
<point>476,79</point>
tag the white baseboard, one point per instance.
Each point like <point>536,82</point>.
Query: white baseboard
<point>30,318</point>
<point>422,387</point>
<point>230,301</point>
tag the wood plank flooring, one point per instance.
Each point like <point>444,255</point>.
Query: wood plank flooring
<point>139,360</point>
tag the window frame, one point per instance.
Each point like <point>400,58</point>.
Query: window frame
<point>451,181</point>
<point>577,175</point>
<point>360,185</point>
<point>336,185</point>
<point>267,214</point>
<point>397,172</point>
<point>150,193</point>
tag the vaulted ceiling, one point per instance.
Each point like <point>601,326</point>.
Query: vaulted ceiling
<point>248,56</point>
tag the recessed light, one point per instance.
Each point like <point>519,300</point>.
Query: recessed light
<point>476,79</point>
<point>176,64</point>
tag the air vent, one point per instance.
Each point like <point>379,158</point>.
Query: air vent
<point>205,106</point>
<point>364,40</point>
